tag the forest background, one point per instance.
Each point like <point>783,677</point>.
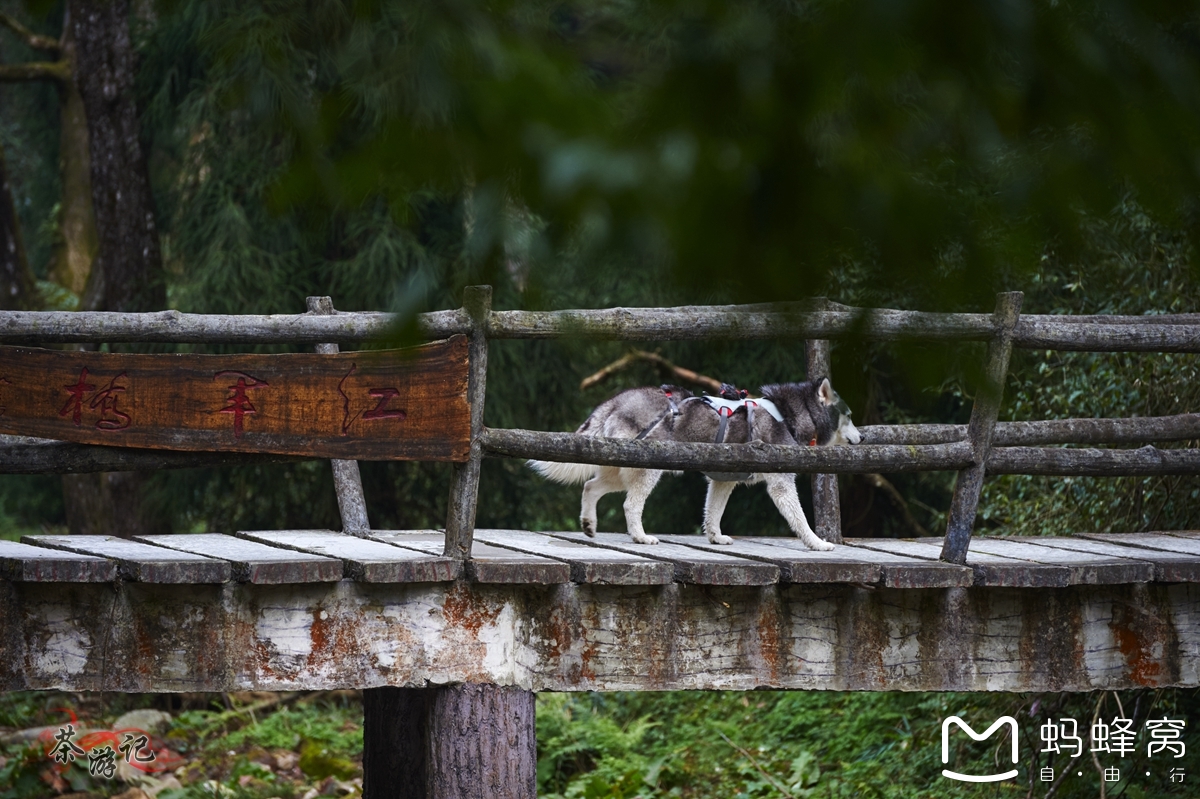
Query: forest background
<point>222,157</point>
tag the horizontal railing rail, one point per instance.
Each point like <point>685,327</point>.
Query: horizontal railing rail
<point>28,455</point>
<point>758,457</point>
<point>885,448</point>
<point>1175,333</point>
<point>1139,430</point>
<point>753,457</point>
<point>173,327</point>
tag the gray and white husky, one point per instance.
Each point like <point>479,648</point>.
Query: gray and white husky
<point>788,413</point>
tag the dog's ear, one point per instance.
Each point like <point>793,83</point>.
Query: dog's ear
<point>825,392</point>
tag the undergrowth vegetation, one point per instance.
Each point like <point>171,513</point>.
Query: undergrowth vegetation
<point>687,744</point>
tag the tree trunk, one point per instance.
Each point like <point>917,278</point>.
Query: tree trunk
<point>87,504</point>
<point>127,273</point>
<point>395,739</point>
<point>464,741</point>
<point>110,503</point>
<point>18,289</point>
<point>71,262</point>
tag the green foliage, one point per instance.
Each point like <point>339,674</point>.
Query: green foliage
<point>1133,265</point>
<point>819,744</point>
<point>29,503</point>
<point>775,137</point>
<point>322,726</point>
<point>29,123</point>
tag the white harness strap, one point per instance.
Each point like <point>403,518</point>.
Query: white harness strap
<point>725,409</point>
<point>733,405</point>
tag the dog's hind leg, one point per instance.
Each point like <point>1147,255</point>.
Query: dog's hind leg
<point>638,485</point>
<point>714,509</point>
<point>607,480</point>
<point>782,490</point>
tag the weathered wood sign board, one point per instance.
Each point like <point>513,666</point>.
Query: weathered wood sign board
<point>408,404</point>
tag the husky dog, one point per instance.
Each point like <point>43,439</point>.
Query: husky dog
<point>788,413</point>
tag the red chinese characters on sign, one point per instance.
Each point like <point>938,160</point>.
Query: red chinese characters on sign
<point>75,404</point>
<point>381,409</point>
<point>239,403</point>
<point>105,401</point>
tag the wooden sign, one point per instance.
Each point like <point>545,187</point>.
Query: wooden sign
<point>408,404</point>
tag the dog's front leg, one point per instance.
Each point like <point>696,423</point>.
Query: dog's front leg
<point>714,509</point>
<point>637,491</point>
<point>782,489</point>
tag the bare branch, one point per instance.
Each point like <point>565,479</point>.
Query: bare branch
<point>34,40</point>
<point>877,480</point>
<point>686,375</point>
<point>608,371</point>
<point>35,70</point>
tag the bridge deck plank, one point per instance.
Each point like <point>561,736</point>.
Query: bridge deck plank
<point>488,564</point>
<point>26,563</point>
<point>1169,567</point>
<point>363,559</point>
<point>1087,568</point>
<point>907,571</point>
<point>846,564</point>
<point>692,565</point>
<point>517,556</point>
<point>588,564</point>
<point>139,561</point>
<point>990,570</point>
<point>254,562</point>
<point>801,565</point>
<point>1178,542</point>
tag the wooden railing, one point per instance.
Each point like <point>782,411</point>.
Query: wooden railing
<point>983,446</point>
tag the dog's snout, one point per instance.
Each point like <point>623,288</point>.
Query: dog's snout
<point>848,433</point>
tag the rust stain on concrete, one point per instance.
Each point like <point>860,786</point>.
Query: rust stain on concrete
<point>767,625</point>
<point>1143,669</point>
<point>466,609</point>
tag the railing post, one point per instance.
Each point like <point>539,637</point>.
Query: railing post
<point>979,432</point>
<point>464,484</point>
<point>827,510</point>
<point>347,480</point>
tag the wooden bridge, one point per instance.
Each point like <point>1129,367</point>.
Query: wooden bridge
<point>289,610</point>
<point>465,608</point>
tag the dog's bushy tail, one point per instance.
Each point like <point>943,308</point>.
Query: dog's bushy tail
<point>565,473</point>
